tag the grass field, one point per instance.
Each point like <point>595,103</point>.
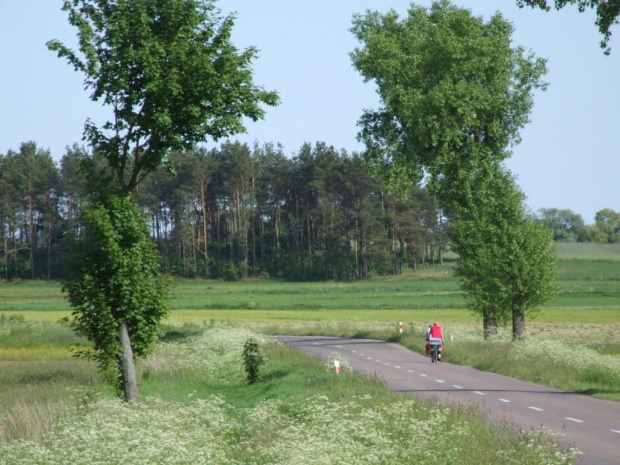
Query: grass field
<point>589,293</point>
<point>575,342</point>
<point>199,409</point>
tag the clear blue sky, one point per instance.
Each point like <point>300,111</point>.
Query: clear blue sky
<point>569,157</point>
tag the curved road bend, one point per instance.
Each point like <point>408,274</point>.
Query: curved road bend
<point>592,425</point>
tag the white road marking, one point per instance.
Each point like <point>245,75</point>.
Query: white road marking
<point>338,347</point>
<point>480,393</point>
<point>387,364</point>
<point>423,375</point>
<point>378,361</point>
<point>363,355</point>
<point>505,400</point>
<point>369,358</point>
<point>615,431</point>
<point>573,419</point>
<point>440,380</point>
<point>355,351</point>
<point>536,408</point>
<point>410,371</point>
<point>396,366</point>
<point>317,344</point>
<point>457,386</point>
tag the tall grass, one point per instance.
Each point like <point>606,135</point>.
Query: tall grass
<point>299,412</point>
<point>38,377</point>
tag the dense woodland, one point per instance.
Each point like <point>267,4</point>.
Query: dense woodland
<point>240,211</point>
<point>228,213</point>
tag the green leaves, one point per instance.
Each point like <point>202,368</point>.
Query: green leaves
<point>607,12</point>
<point>170,73</point>
<point>453,90</point>
<point>115,280</point>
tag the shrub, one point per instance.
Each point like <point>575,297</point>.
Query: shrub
<point>252,360</point>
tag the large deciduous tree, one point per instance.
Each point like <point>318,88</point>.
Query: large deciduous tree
<point>606,228</point>
<point>455,94</point>
<point>172,77</point>
<point>507,261</point>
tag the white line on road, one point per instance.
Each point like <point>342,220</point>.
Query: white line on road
<point>505,400</point>
<point>480,393</point>
<point>615,431</point>
<point>440,380</point>
<point>386,364</point>
<point>457,386</point>
<point>378,361</point>
<point>355,351</point>
<point>317,344</point>
<point>573,419</point>
<point>537,409</point>
<point>396,366</point>
<point>338,347</point>
<point>410,371</point>
<point>422,375</point>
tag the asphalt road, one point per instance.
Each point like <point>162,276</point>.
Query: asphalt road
<point>591,425</point>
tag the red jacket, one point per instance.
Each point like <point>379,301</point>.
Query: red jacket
<point>436,331</point>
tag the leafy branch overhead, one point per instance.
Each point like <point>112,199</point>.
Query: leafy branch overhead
<point>169,72</point>
<point>607,12</point>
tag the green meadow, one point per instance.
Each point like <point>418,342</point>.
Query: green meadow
<point>588,276</point>
<point>52,401</point>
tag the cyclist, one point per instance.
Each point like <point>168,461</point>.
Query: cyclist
<point>435,332</point>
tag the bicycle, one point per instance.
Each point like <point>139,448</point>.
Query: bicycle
<point>435,349</point>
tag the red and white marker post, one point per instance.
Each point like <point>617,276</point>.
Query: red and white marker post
<point>400,327</point>
<point>337,367</point>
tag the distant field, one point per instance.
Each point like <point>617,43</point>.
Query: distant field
<point>588,275</point>
<point>588,251</point>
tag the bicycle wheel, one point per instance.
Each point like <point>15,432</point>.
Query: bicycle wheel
<point>434,355</point>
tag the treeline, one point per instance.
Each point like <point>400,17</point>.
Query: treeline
<point>568,226</point>
<point>229,213</point>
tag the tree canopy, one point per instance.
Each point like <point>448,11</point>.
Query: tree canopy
<point>454,92</point>
<point>170,73</point>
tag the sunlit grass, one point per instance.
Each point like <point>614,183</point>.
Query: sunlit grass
<point>198,409</point>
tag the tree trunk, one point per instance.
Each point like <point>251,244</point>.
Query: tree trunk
<point>32,231</point>
<point>394,258</point>
<point>128,367</point>
<point>518,323</point>
<point>205,227</point>
<point>489,322</point>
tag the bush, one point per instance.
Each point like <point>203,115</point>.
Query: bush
<point>252,360</point>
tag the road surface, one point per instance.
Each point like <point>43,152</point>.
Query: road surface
<point>592,425</point>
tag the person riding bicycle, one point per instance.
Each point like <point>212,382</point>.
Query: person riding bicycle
<point>435,333</point>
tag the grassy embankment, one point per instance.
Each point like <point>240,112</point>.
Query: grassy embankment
<point>199,409</point>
